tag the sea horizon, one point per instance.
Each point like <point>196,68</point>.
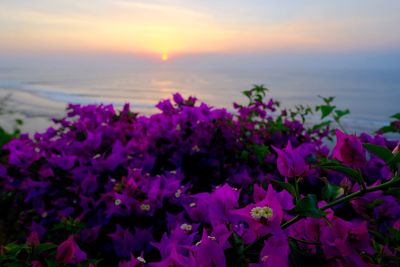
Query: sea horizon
<point>40,87</point>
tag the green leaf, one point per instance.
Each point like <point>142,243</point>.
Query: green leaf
<point>341,113</point>
<point>396,116</point>
<point>261,151</point>
<point>244,155</point>
<point>288,187</point>
<point>15,249</point>
<point>381,152</point>
<point>247,93</point>
<point>326,110</point>
<point>331,192</point>
<point>321,125</point>
<point>348,171</point>
<point>395,160</point>
<point>394,192</point>
<point>387,129</point>
<point>327,100</point>
<point>19,122</point>
<point>307,207</point>
<point>45,247</point>
<point>380,238</point>
<point>51,263</point>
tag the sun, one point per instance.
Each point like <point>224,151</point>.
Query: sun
<point>164,57</point>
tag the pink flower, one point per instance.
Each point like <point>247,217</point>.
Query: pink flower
<point>349,149</point>
<point>68,252</point>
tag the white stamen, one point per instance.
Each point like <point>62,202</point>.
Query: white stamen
<point>178,193</point>
<point>145,207</point>
<point>141,259</point>
<point>264,259</point>
<point>261,212</point>
<point>186,227</point>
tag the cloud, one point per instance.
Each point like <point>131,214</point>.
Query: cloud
<point>174,27</point>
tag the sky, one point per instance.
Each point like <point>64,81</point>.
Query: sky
<point>183,27</point>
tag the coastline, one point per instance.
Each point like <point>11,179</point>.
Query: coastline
<point>36,110</point>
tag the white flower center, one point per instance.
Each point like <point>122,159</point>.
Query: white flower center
<point>186,227</point>
<point>264,259</point>
<point>117,202</point>
<point>259,213</point>
<point>145,207</point>
<point>178,193</point>
<point>141,259</point>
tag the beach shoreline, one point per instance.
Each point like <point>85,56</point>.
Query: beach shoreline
<point>37,111</point>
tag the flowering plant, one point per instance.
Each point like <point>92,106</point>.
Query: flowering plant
<point>195,185</point>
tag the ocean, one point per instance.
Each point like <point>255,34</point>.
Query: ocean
<point>41,90</point>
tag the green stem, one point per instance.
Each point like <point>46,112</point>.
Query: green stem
<point>305,241</point>
<point>340,125</point>
<point>363,184</point>
<point>296,188</point>
<point>385,185</point>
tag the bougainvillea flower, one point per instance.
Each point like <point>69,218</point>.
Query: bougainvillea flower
<point>263,217</point>
<point>132,262</point>
<point>376,169</point>
<point>33,239</point>
<point>175,259</point>
<point>36,263</point>
<point>222,234</point>
<point>123,242</point>
<point>274,253</point>
<point>307,229</point>
<point>222,201</point>
<point>349,149</point>
<point>284,197</point>
<point>290,162</point>
<point>345,239</point>
<point>189,182</point>
<point>68,252</point>
<point>208,252</point>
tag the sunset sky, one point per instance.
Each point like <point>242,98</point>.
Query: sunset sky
<point>180,27</point>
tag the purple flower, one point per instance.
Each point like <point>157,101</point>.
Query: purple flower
<point>263,217</point>
<point>179,100</point>
<point>36,263</point>
<point>345,239</point>
<point>376,169</point>
<point>208,252</point>
<point>290,161</point>
<point>132,262</point>
<point>174,258</point>
<point>69,252</point>
<point>274,253</point>
<point>216,207</point>
<point>123,242</point>
<point>349,150</point>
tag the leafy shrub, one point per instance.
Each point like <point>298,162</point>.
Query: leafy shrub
<point>200,186</point>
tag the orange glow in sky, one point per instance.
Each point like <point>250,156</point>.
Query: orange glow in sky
<point>164,57</point>
<point>190,27</point>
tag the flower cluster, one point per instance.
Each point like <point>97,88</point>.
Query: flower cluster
<point>198,186</point>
